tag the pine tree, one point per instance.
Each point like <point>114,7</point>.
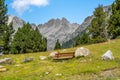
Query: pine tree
<point>44,41</point>
<point>40,41</point>
<point>37,38</point>
<point>83,39</point>
<point>21,42</point>
<point>3,17</point>
<point>57,45</point>
<point>97,26</point>
<point>28,40</point>
<point>5,30</point>
<point>7,37</point>
<point>114,21</point>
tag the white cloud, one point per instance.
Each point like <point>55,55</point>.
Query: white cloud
<point>22,5</point>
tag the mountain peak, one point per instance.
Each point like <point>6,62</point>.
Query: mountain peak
<point>64,20</point>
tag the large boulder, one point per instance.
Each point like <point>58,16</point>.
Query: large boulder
<point>82,52</point>
<point>6,61</point>
<point>108,56</point>
<point>52,54</point>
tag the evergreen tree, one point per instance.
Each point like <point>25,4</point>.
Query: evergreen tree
<point>21,42</point>
<point>114,21</point>
<point>7,36</point>
<point>84,39</point>
<point>5,30</point>
<point>57,45</point>
<point>97,26</point>
<point>44,43</point>
<point>28,40</point>
<point>37,38</point>
<point>3,17</point>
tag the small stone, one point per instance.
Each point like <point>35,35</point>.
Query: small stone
<point>3,69</point>
<point>42,57</point>
<point>46,73</point>
<point>17,65</point>
<point>58,74</point>
<point>28,60</point>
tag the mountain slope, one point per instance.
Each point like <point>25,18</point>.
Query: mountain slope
<point>84,68</point>
<point>17,22</point>
<point>84,27</point>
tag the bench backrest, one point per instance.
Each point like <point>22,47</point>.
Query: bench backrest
<point>64,55</point>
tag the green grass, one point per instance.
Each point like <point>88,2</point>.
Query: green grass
<point>72,69</point>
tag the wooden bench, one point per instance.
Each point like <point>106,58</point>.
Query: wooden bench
<point>64,55</point>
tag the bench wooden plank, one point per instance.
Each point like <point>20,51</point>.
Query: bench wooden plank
<point>64,55</point>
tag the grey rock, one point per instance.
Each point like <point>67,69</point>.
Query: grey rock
<point>82,52</point>
<point>108,56</point>
<point>27,60</point>
<point>52,54</point>
<point>6,61</point>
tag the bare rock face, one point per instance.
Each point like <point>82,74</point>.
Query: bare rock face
<point>57,29</point>
<point>82,52</point>
<point>18,23</point>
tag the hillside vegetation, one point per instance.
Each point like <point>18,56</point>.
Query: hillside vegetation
<point>83,68</point>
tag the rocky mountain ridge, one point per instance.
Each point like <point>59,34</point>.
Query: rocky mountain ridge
<point>58,29</point>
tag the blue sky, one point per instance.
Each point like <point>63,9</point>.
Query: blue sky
<point>41,11</point>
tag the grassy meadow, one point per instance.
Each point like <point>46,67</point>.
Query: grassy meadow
<point>83,68</point>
